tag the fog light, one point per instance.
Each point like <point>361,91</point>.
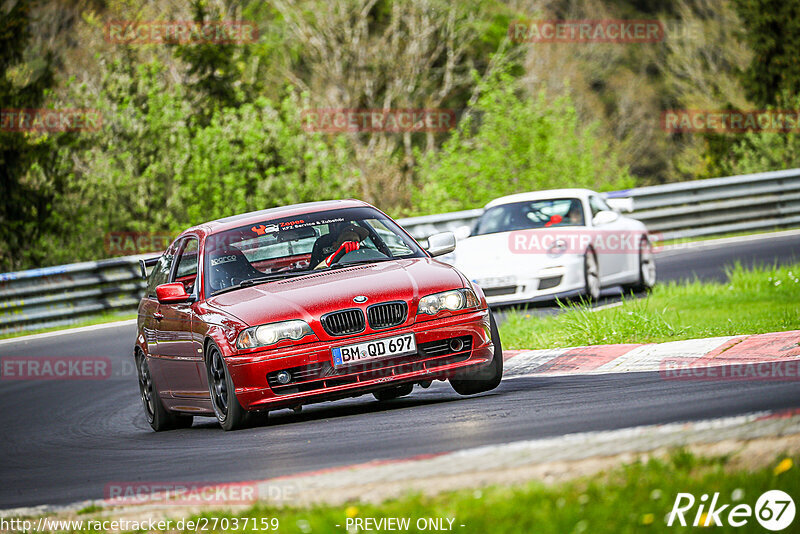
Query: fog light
<point>284,377</point>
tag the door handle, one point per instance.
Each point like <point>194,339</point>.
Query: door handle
<point>158,316</point>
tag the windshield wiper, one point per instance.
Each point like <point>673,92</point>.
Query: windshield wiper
<point>261,279</point>
<point>357,262</point>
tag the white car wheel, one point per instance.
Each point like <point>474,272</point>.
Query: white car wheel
<point>647,266</point>
<point>647,269</point>
<point>591,275</point>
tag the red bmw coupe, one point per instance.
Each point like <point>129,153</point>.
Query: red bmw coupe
<point>300,304</point>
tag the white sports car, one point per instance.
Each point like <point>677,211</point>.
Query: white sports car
<point>554,244</point>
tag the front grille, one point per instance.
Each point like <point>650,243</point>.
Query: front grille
<point>321,375</point>
<point>549,283</point>
<point>497,291</point>
<point>387,315</point>
<point>343,322</point>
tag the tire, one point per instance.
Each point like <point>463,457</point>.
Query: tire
<point>394,392</point>
<point>489,377</point>
<point>229,412</point>
<point>591,276</point>
<point>157,416</point>
<point>647,269</point>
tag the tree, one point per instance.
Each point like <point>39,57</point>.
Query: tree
<point>766,151</point>
<point>211,71</point>
<point>772,29</point>
<point>23,84</point>
<point>390,54</point>
<point>516,144</point>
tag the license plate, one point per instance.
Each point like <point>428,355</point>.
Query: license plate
<point>497,281</point>
<point>374,350</point>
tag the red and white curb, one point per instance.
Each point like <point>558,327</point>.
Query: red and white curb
<point>778,347</point>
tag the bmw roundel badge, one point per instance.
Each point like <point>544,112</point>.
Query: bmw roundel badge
<point>361,299</point>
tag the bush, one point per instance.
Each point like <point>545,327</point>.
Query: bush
<point>513,144</point>
<point>153,168</point>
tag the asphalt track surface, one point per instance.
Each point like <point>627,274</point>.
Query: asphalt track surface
<point>64,441</point>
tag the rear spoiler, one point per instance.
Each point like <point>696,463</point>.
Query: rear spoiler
<point>145,263</point>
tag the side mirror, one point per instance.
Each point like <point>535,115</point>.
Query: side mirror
<point>605,217</point>
<point>621,204</point>
<point>172,293</point>
<point>462,232</point>
<point>441,244</point>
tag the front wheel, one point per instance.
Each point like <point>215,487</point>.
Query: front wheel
<point>647,269</point>
<point>229,412</point>
<point>157,416</point>
<point>487,378</point>
<point>591,276</point>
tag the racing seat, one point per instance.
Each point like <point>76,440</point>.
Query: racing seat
<point>328,243</point>
<point>228,267</point>
<point>322,244</point>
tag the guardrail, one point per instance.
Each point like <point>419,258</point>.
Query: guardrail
<point>682,210</point>
<point>62,295</point>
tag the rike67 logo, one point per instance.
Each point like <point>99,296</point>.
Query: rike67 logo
<point>774,510</point>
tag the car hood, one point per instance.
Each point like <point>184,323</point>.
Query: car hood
<point>309,297</point>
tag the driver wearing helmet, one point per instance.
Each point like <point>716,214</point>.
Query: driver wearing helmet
<point>342,238</point>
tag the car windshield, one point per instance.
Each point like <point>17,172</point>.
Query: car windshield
<point>286,247</point>
<point>530,214</point>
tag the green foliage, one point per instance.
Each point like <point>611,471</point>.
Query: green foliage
<point>772,29</point>
<point>212,70</point>
<point>152,169</point>
<point>193,132</point>
<point>24,81</point>
<point>768,151</point>
<point>257,157</point>
<point>753,152</point>
<point>512,144</point>
<point>771,80</point>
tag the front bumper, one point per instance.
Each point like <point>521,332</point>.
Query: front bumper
<point>316,380</point>
<point>563,279</point>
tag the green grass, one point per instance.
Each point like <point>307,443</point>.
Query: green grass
<point>108,317</point>
<point>633,498</point>
<point>752,302</point>
<point>90,509</point>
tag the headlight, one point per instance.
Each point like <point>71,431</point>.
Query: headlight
<point>458,299</point>
<point>269,334</point>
